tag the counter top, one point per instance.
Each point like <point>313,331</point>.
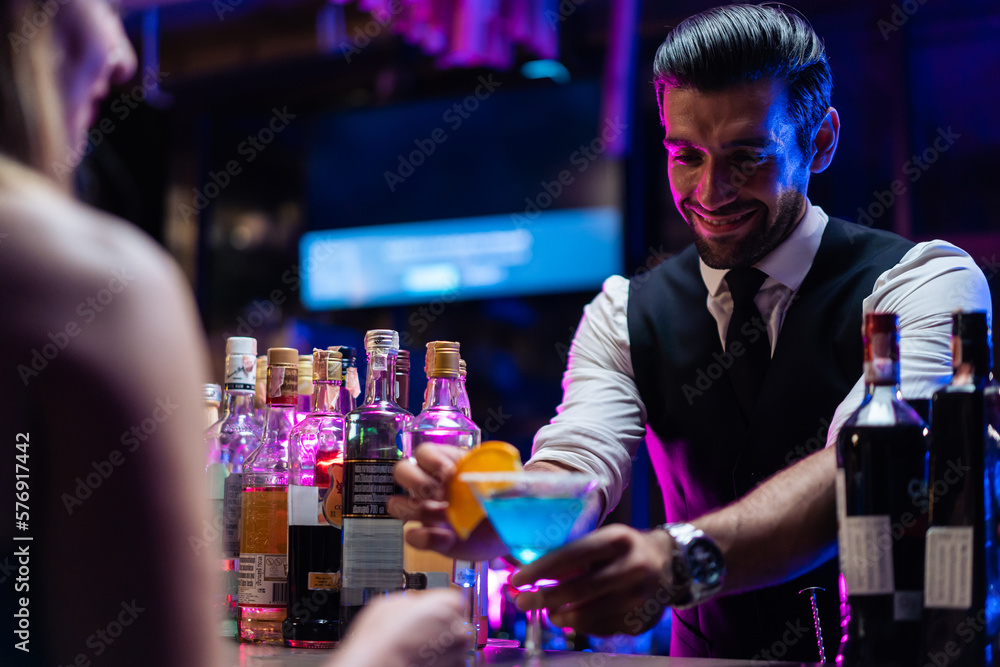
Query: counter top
<point>248,655</point>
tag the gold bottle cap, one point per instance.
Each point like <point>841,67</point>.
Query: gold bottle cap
<point>285,356</point>
<point>261,367</point>
<point>327,366</point>
<point>462,370</point>
<point>442,359</point>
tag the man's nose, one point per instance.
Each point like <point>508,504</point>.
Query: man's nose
<point>715,188</point>
<point>122,61</point>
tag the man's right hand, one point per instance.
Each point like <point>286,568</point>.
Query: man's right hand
<point>426,477</point>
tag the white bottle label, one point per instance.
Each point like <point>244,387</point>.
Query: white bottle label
<point>866,554</point>
<point>304,508</point>
<point>948,569</point>
<point>264,579</point>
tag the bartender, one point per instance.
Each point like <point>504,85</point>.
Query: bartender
<point>727,359</point>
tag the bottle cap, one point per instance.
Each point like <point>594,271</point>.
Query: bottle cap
<point>885,323</point>
<point>348,355</point>
<point>286,356</point>
<point>442,359</point>
<point>403,362</point>
<point>382,338</point>
<point>462,370</point>
<point>261,367</point>
<point>327,366</point>
<point>212,393</point>
<point>241,345</point>
<point>305,374</point>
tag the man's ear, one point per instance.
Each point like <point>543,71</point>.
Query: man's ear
<point>825,141</point>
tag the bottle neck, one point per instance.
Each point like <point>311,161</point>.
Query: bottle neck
<point>326,397</point>
<point>970,362</point>
<point>346,400</point>
<point>442,392</point>
<point>237,404</point>
<point>381,384</point>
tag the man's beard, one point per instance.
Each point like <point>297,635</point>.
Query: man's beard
<point>758,242</point>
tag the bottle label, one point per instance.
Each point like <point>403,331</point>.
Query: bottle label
<point>373,555</point>
<point>282,384</point>
<point>948,572</point>
<point>379,361</point>
<point>333,501</point>
<point>866,554</point>
<point>263,579</point>
<point>231,509</point>
<point>324,581</point>
<point>217,474</point>
<point>241,372</point>
<point>368,486</point>
<point>304,506</point>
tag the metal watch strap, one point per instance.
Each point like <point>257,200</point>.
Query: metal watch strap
<point>687,592</point>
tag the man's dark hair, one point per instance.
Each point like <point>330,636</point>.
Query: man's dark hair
<point>737,44</point>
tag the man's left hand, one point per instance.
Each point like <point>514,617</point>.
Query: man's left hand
<point>616,579</point>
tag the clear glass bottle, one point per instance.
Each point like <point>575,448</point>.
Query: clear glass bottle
<point>962,573</point>
<point>304,402</point>
<point>373,540</point>
<point>260,393</point>
<point>440,422</point>
<point>216,472</point>
<point>239,433</point>
<point>264,526</point>
<point>351,388</point>
<point>880,529</point>
<point>462,403</point>
<point>315,452</point>
<point>402,383</point>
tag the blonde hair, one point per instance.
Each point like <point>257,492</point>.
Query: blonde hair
<point>32,127</point>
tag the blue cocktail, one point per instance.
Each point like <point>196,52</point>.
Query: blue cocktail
<point>533,514</point>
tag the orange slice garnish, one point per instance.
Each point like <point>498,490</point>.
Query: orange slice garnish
<point>464,512</point>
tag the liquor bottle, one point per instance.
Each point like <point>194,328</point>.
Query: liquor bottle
<point>962,586</point>
<point>351,388</point>
<point>260,393</point>
<point>216,472</point>
<point>373,540</point>
<point>330,463</point>
<point>440,422</point>
<point>463,404</point>
<point>402,382</point>
<point>880,521</point>
<point>264,524</point>
<point>315,453</point>
<point>239,433</point>
<point>304,402</point>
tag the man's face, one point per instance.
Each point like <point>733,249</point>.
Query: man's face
<point>737,175</point>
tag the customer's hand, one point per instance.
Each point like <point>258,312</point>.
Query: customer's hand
<point>426,479</point>
<point>418,628</point>
<point>613,580</point>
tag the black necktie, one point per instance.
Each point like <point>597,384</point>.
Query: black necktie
<point>746,337</point>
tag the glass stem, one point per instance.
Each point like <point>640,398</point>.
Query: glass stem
<point>533,633</point>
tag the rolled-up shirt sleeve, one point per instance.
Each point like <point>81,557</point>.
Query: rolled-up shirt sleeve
<point>600,423</point>
<point>930,282</point>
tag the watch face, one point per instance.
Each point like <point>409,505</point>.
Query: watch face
<point>704,563</point>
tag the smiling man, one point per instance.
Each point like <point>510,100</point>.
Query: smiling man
<point>728,359</point>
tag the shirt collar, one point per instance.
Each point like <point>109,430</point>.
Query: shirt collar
<point>787,264</point>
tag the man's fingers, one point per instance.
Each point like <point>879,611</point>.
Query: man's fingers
<point>615,577</point>
<point>438,461</point>
<point>609,614</point>
<point>406,508</point>
<point>431,537</point>
<point>418,481</point>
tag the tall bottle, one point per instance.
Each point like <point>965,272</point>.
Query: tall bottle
<point>402,382</point>
<point>962,581</point>
<point>315,453</point>
<point>239,433</point>
<point>351,388</point>
<point>373,540</point>
<point>442,423</point>
<point>304,402</point>
<point>264,533</point>
<point>216,472</point>
<point>880,521</point>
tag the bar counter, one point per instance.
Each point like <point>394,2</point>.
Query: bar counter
<point>249,655</point>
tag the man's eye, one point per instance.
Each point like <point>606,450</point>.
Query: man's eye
<point>748,158</point>
<point>686,158</point>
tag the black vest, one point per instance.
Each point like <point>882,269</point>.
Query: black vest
<point>704,452</point>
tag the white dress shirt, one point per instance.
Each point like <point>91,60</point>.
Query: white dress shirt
<point>602,421</point>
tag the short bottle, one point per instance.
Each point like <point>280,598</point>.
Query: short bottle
<point>373,539</point>
<point>264,533</point>
<point>315,452</point>
<point>962,572</point>
<point>440,422</point>
<point>304,402</point>
<point>880,525</point>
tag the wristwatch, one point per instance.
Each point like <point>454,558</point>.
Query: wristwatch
<point>698,566</point>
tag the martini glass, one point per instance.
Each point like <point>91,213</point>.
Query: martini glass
<point>534,513</point>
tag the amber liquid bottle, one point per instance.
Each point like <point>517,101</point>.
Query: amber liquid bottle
<point>263,593</point>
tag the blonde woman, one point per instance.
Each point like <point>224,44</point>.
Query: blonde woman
<point>101,359</point>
